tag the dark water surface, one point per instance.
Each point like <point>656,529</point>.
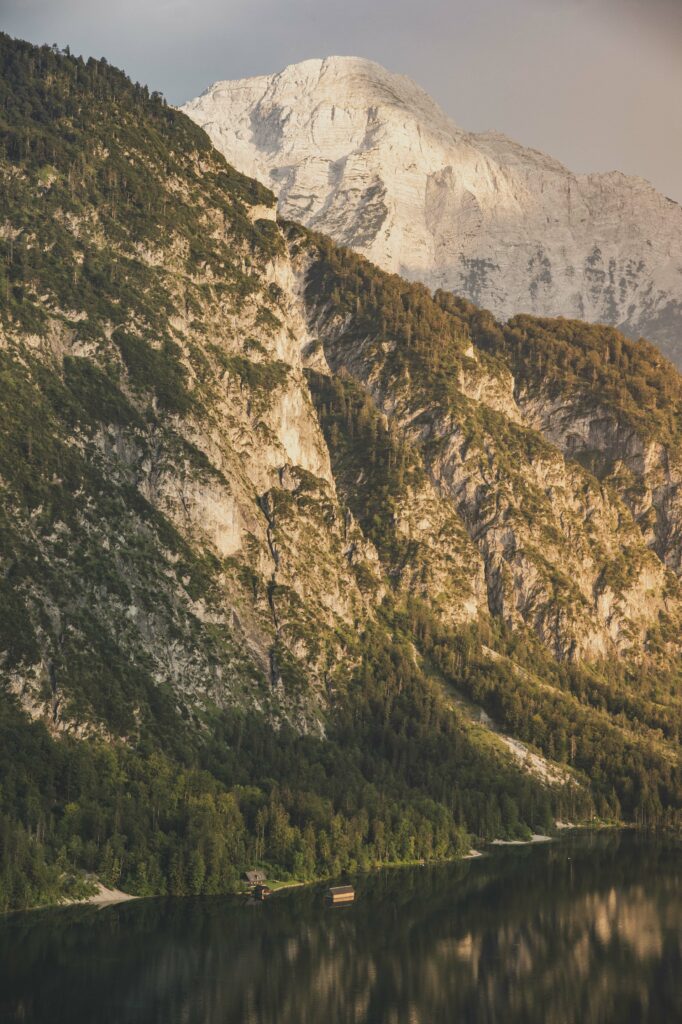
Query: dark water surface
<point>584,930</point>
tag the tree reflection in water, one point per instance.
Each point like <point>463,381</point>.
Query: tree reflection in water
<point>587,930</point>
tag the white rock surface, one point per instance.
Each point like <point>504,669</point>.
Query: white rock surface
<point>368,157</point>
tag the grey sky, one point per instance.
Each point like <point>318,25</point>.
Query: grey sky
<point>596,83</point>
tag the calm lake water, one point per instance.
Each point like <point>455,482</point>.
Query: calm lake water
<point>584,930</point>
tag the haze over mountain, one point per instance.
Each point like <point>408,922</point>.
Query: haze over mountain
<point>369,158</point>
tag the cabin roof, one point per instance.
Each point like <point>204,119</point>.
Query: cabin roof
<point>340,890</point>
<point>255,876</point>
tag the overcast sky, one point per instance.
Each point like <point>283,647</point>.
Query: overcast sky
<point>596,83</point>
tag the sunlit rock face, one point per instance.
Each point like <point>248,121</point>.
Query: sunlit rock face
<point>369,158</point>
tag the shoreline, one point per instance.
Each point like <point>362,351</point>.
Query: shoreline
<point>105,896</point>
<point>535,838</point>
<point>102,898</point>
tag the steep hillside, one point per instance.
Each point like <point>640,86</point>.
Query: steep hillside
<point>276,528</point>
<point>612,405</point>
<point>152,366</point>
<point>368,157</point>
<point>560,550</point>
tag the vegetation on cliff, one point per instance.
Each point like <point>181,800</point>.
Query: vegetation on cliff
<point>239,604</point>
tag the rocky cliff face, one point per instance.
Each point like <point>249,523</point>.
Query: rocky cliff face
<point>559,550</point>
<point>367,157</point>
<point>162,460</point>
<point>613,406</point>
<point>230,446</point>
<point>310,436</point>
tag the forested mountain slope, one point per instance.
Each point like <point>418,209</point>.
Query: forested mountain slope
<point>272,519</point>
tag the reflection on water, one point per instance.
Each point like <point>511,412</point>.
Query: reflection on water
<point>582,931</point>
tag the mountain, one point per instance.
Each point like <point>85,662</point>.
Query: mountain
<point>368,157</point>
<point>301,565</point>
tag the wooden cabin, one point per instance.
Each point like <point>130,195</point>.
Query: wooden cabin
<point>261,892</point>
<point>341,894</point>
<point>255,877</point>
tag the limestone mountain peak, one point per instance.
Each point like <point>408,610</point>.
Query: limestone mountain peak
<point>368,157</point>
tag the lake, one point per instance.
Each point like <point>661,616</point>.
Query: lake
<point>583,930</point>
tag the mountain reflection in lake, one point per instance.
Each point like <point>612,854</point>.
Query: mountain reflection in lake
<point>585,930</point>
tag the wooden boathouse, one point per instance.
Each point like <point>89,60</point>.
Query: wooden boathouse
<point>341,894</point>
